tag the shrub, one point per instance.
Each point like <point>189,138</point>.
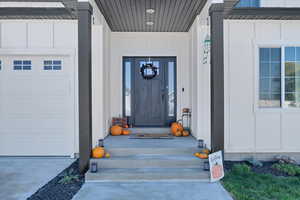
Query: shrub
<point>290,169</point>
<point>241,169</point>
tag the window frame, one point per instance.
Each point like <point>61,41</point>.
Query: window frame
<point>282,46</point>
<point>52,65</point>
<point>22,65</point>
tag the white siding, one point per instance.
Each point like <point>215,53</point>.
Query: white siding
<point>280,3</point>
<point>247,127</point>
<point>101,75</point>
<point>37,40</point>
<point>200,76</point>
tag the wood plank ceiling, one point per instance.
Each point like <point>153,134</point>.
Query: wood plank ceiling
<point>169,15</point>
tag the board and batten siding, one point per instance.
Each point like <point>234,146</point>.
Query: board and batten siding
<point>44,39</point>
<point>249,128</point>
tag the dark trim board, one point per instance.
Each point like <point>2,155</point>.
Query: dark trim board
<point>85,84</point>
<point>217,77</point>
<point>264,13</point>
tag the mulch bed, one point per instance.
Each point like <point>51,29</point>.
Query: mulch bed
<point>265,169</point>
<point>55,190</point>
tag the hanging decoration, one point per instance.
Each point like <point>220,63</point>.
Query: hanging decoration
<point>148,71</point>
<point>206,50</point>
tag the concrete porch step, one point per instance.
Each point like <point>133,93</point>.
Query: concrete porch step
<point>148,163</point>
<point>148,175</point>
<point>125,151</point>
<point>155,157</point>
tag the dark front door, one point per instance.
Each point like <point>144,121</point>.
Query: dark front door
<point>149,95</point>
<point>152,101</point>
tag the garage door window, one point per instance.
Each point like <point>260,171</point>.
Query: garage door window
<point>22,64</point>
<point>52,65</point>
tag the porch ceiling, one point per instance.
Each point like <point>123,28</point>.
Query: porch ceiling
<point>169,15</point>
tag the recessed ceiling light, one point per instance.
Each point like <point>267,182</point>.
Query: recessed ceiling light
<point>150,23</point>
<point>150,11</point>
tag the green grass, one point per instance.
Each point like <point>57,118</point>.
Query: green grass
<point>244,184</point>
<point>290,169</point>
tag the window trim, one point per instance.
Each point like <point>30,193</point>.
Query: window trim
<point>274,44</point>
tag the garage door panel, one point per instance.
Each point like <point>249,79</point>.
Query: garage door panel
<point>37,108</point>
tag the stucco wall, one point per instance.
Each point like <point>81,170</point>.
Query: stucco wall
<point>249,128</point>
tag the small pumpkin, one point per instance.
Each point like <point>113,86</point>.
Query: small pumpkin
<point>116,130</point>
<point>126,126</point>
<point>197,154</point>
<point>126,132</point>
<point>203,156</point>
<point>178,134</point>
<point>185,133</point>
<point>176,127</point>
<point>206,151</point>
<point>107,155</point>
<point>98,152</point>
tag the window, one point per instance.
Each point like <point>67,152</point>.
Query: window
<point>52,65</point>
<point>0,64</point>
<point>292,77</point>
<point>127,81</point>
<point>279,83</point>
<point>270,77</point>
<point>171,89</point>
<point>248,4</point>
<point>22,64</point>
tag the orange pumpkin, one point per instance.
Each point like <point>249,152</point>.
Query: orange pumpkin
<point>98,152</point>
<point>206,151</point>
<point>176,127</point>
<point>116,130</point>
<point>178,134</point>
<point>185,133</point>
<point>126,132</point>
<point>126,126</point>
<point>202,156</point>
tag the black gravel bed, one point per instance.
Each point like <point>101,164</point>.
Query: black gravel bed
<point>265,169</point>
<point>58,190</point>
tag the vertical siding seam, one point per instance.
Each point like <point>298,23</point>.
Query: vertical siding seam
<point>53,35</point>
<point>254,84</point>
<point>228,86</point>
<point>27,35</point>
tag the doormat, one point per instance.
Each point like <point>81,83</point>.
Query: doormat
<point>151,136</point>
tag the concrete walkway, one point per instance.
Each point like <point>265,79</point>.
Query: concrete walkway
<point>153,191</point>
<point>21,177</point>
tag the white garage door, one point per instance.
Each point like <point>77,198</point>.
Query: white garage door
<point>36,106</point>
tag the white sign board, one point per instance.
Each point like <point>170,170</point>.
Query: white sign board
<point>216,166</point>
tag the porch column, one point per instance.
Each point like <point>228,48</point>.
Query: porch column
<point>217,77</point>
<point>85,84</point>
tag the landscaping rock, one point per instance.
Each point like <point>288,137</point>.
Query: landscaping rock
<point>282,159</point>
<point>255,163</point>
<point>63,187</point>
